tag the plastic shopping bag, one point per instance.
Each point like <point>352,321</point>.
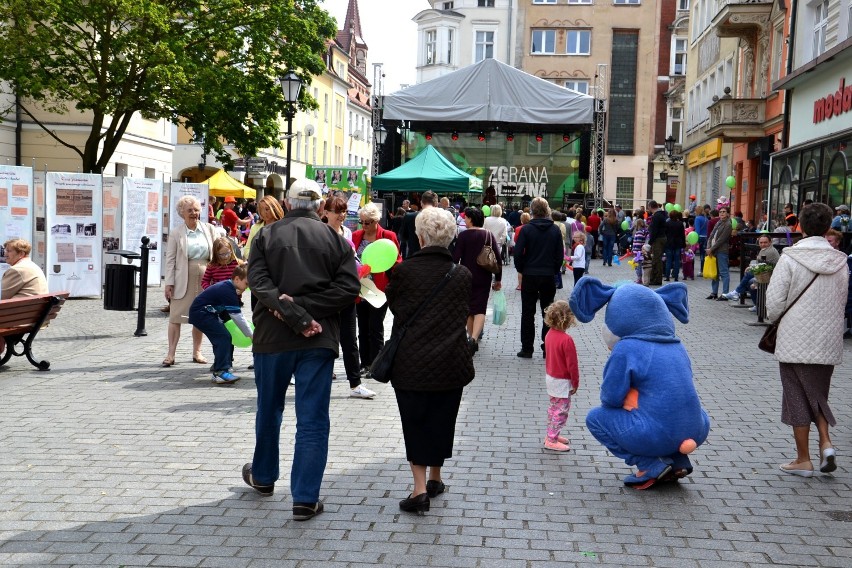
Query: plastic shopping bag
<point>710,271</point>
<point>499,307</point>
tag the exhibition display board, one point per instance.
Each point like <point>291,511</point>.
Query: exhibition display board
<point>16,206</point>
<point>74,218</point>
<point>140,207</point>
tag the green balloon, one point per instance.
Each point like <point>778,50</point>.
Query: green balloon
<point>669,207</point>
<point>677,207</point>
<point>733,223</point>
<point>692,238</point>
<point>625,225</point>
<point>764,231</point>
<point>238,338</point>
<point>380,255</point>
<point>486,210</point>
<point>730,182</point>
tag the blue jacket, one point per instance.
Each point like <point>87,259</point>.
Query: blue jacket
<point>701,225</point>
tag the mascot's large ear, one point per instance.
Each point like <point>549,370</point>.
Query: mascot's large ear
<point>674,295</point>
<point>589,295</point>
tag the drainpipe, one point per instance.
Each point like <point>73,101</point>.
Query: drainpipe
<point>18,128</point>
<point>791,45</point>
<point>509,42</point>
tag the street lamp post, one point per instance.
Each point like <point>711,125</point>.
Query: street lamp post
<point>670,145</point>
<point>291,84</point>
<point>381,134</point>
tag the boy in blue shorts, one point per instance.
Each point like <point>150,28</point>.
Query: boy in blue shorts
<point>223,297</point>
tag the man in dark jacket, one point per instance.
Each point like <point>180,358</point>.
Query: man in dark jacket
<point>302,274</point>
<point>538,257</point>
<point>657,240</point>
<point>407,237</point>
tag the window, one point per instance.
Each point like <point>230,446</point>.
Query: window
<point>624,193</point>
<point>485,3</point>
<point>820,25</point>
<point>622,107</point>
<point>581,86</point>
<point>676,119</point>
<point>579,42</point>
<point>448,5</point>
<point>626,2</point>
<point>678,56</point>
<point>579,1</point>
<point>543,41</point>
<point>431,46</point>
<point>777,49</point>
<point>314,149</point>
<point>324,153</point>
<point>484,46</point>
<point>451,36</point>
<point>683,5</point>
<point>325,108</point>
<point>544,1</point>
<point>338,114</point>
<point>536,147</point>
<point>316,98</point>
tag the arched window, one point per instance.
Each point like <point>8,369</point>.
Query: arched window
<point>836,182</point>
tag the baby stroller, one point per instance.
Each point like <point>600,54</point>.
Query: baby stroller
<point>507,249</point>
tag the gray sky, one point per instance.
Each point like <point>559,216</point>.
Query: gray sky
<point>390,35</point>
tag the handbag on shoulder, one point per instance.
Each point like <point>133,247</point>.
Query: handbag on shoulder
<point>486,258</point>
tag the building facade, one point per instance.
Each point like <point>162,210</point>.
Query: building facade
<point>815,158</point>
<point>564,41</point>
<point>456,33</point>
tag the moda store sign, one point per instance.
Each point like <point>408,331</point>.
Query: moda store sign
<point>833,104</point>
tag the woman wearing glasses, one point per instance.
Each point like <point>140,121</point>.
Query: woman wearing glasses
<point>371,329</point>
<point>335,211</point>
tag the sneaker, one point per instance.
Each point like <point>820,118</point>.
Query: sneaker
<point>753,309</point>
<point>556,446</point>
<point>292,380</point>
<point>224,378</point>
<point>265,490</point>
<point>361,392</point>
<point>734,296</point>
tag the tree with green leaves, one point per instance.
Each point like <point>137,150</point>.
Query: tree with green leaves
<point>211,66</point>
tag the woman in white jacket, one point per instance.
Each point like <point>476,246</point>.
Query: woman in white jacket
<point>810,334</point>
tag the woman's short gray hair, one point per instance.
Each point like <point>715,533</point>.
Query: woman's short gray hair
<point>184,202</point>
<point>496,211</point>
<point>370,212</point>
<point>435,227</point>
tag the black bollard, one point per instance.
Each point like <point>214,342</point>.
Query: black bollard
<point>143,289</point>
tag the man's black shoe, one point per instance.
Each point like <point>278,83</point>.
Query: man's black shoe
<point>305,511</point>
<point>265,490</point>
<point>525,354</point>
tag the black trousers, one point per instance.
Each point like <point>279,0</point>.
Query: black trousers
<point>534,289</point>
<point>349,346</point>
<point>371,331</point>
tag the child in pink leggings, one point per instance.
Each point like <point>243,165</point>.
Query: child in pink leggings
<point>562,372</point>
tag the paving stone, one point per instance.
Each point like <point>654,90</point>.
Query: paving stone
<point>110,460</point>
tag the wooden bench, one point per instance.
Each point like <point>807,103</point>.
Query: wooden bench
<point>20,321</point>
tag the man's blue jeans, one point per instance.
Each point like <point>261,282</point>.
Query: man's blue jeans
<point>272,371</point>
<point>724,276</point>
<point>672,269</point>
<point>745,286</point>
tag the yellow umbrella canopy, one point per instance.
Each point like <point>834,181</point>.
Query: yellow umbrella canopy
<point>221,184</point>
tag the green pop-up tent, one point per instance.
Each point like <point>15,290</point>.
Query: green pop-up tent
<point>427,170</point>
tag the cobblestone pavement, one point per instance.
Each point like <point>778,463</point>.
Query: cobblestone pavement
<point>110,460</point>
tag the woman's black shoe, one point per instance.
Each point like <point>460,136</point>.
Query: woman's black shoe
<point>419,504</point>
<point>711,297</point>
<point>434,488</point>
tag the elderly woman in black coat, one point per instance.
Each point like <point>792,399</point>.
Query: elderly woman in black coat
<point>429,391</point>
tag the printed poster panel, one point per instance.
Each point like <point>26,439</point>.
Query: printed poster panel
<point>16,207</point>
<point>111,235</point>
<point>39,244</point>
<point>178,189</point>
<point>74,218</point>
<point>350,179</point>
<point>141,217</point>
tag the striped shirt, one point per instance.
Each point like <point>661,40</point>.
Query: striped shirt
<point>217,273</point>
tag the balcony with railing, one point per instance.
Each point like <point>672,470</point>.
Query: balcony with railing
<point>742,18</point>
<point>736,120</point>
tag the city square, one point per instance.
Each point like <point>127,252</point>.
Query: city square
<point>110,460</point>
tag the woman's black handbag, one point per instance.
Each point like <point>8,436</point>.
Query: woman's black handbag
<point>383,363</point>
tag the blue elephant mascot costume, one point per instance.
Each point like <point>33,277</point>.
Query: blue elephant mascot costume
<point>650,415</point>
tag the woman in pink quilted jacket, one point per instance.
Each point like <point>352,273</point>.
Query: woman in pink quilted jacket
<point>811,280</point>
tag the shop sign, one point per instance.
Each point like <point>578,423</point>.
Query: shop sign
<point>833,104</point>
<point>256,165</point>
<point>705,153</point>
